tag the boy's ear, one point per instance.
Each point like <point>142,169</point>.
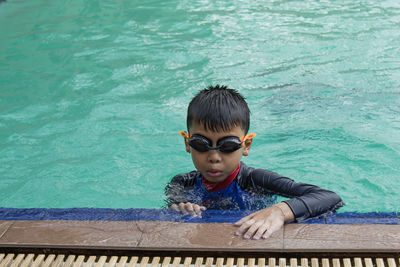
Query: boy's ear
<point>247,145</point>
<point>187,147</point>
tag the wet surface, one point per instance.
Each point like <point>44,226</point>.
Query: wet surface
<point>156,235</point>
<point>72,233</point>
<point>4,226</point>
<point>366,237</point>
<point>202,236</point>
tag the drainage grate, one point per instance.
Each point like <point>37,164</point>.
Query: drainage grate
<point>53,260</point>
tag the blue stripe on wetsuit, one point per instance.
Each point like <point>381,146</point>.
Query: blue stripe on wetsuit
<point>231,197</point>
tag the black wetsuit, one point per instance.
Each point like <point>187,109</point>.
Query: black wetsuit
<point>254,189</point>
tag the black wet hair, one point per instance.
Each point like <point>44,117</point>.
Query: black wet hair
<point>219,108</point>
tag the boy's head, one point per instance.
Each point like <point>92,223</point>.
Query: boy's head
<point>218,108</point>
<point>218,121</point>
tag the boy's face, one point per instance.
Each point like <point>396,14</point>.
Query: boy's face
<point>215,165</point>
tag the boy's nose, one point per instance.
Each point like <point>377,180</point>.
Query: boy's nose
<point>214,156</point>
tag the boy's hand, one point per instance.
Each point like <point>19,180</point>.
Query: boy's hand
<point>189,208</point>
<point>265,222</point>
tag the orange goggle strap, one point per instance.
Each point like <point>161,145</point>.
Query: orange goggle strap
<point>250,136</point>
<point>185,135</point>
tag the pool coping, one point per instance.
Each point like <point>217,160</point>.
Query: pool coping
<point>178,236</point>
<point>163,230</point>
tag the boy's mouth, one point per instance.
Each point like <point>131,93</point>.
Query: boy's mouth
<point>214,173</point>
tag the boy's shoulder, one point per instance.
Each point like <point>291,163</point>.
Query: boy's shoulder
<point>249,175</point>
<point>247,171</point>
<point>186,179</point>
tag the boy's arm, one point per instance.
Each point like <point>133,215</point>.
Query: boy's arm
<point>175,190</point>
<point>176,196</point>
<point>306,200</point>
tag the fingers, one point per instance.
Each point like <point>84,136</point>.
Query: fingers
<point>256,229</point>
<point>196,210</point>
<point>189,209</point>
<point>253,228</point>
<point>261,224</point>
<point>244,226</point>
<point>175,207</point>
<point>182,208</point>
<point>270,231</point>
<point>244,219</point>
<point>263,231</point>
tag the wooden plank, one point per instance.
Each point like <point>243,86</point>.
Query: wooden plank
<point>101,262</point>
<point>261,262</point>
<point>293,262</point>
<point>368,262</point>
<point>282,262</point>
<point>69,261</point>
<point>186,262</point>
<point>113,260</point>
<point>325,262</point>
<point>165,262</point>
<point>90,261</point>
<point>229,262</point>
<point>314,262</point>
<point>38,261</point>
<point>155,261</point>
<point>78,262</point>
<point>7,260</point>
<point>358,262</point>
<point>144,262</point>
<point>380,263</point>
<point>271,262</point>
<point>220,262</point>
<point>122,261</point>
<point>198,262</point>
<point>49,260</point>
<point>391,262</point>
<point>133,261</point>
<point>209,262</point>
<point>2,255</point>
<point>347,262</point>
<point>17,260</point>
<point>176,262</point>
<point>304,262</point>
<point>28,260</point>
<point>335,262</point>
<point>251,262</point>
<point>240,262</point>
<point>58,261</point>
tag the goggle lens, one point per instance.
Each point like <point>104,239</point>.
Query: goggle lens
<point>226,145</point>
<point>199,145</point>
<point>229,144</point>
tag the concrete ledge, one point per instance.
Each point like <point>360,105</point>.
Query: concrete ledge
<point>163,235</point>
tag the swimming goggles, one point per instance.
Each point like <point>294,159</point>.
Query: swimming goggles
<point>227,144</point>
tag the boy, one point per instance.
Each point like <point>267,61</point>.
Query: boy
<point>218,121</point>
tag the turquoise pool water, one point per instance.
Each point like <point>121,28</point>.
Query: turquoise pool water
<point>92,94</point>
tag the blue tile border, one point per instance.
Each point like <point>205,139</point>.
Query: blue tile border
<point>21,214</point>
<point>208,216</point>
<point>363,218</point>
